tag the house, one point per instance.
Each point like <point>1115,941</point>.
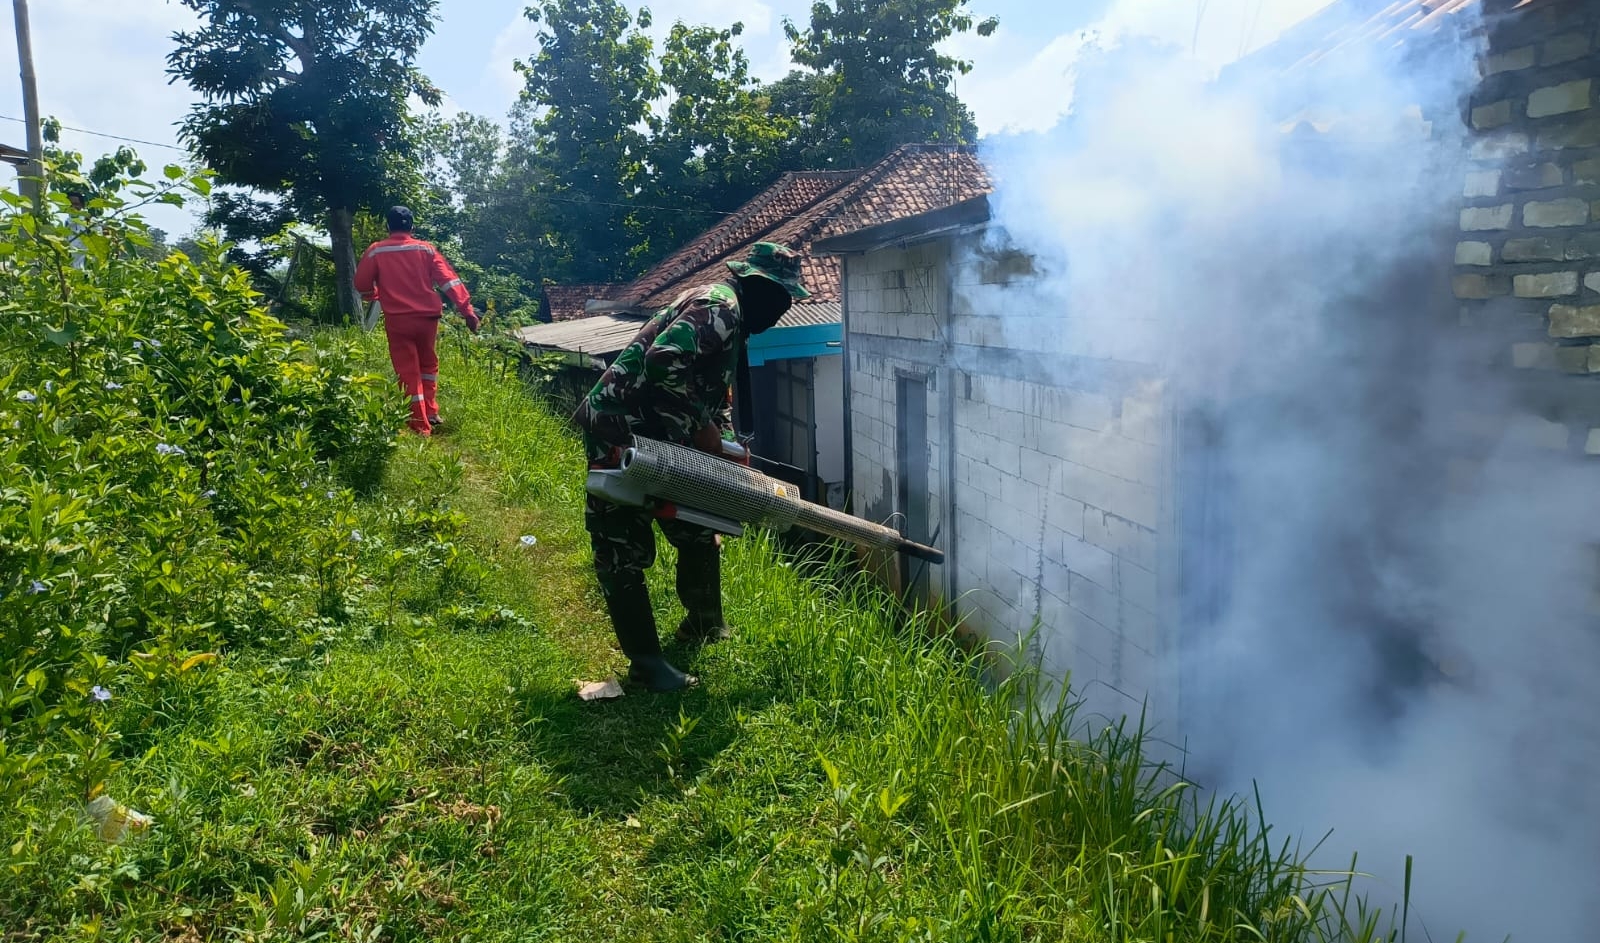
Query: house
<point>792,396</point>
<point>1079,500</point>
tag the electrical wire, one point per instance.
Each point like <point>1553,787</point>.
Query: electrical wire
<point>102,134</point>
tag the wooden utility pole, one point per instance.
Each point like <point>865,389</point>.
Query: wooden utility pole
<point>33,172</point>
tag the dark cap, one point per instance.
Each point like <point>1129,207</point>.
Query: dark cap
<point>399,219</point>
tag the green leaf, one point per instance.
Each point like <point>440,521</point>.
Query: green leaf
<point>173,171</point>
<point>62,337</point>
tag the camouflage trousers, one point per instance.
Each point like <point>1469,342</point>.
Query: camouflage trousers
<point>624,543</point>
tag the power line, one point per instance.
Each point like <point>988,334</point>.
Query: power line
<point>102,134</point>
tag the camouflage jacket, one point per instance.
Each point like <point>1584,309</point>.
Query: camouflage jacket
<point>673,378</point>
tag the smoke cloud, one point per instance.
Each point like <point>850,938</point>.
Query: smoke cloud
<point>1392,634</point>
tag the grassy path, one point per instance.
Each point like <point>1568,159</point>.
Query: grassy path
<point>835,776</point>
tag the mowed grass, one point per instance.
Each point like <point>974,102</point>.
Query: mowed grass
<point>842,772</point>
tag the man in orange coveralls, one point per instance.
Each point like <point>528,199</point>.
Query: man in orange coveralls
<point>402,273</point>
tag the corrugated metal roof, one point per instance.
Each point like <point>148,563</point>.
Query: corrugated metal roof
<point>807,314</point>
<point>606,334</point>
<point>599,336</point>
<point>1346,25</point>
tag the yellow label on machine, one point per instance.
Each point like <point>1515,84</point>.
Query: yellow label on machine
<point>780,491</point>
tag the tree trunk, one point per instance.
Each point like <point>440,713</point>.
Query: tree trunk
<point>341,223</point>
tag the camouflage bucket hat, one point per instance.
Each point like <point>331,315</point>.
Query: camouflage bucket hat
<point>777,263</point>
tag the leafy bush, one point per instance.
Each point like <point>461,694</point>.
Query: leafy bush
<point>180,478</point>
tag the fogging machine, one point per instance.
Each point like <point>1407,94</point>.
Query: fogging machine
<point>726,495</point>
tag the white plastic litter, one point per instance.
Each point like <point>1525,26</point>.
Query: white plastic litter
<point>114,821</point>
<point>600,690</point>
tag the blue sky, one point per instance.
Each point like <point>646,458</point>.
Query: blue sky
<point>101,63</point>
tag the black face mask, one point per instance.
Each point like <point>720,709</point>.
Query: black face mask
<point>762,302</point>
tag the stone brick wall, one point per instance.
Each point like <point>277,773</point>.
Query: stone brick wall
<point>1527,266</point>
<point>1056,489</point>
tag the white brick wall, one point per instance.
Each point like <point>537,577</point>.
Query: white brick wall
<point>1058,485</point>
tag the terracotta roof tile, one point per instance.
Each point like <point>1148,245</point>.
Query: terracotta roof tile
<point>804,207</point>
<point>565,302</point>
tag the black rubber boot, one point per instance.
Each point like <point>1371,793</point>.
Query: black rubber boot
<point>700,591</point>
<point>634,622</point>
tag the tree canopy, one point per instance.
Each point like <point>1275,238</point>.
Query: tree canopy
<point>307,101</point>
<point>878,78</point>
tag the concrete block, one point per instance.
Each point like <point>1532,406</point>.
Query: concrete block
<point>1539,249</point>
<point>1474,253</point>
<point>1141,419</point>
<point>1593,364</point>
<point>1135,502</point>
<point>1513,60</point>
<point>1090,562</point>
<point>1591,445</point>
<point>1499,146</point>
<point>1535,177</point>
<point>1584,134</point>
<point>1139,586</point>
<point>1024,495</point>
<point>1586,173</point>
<point>1093,600</point>
<point>1481,183</point>
<point>1065,514</point>
<point>1573,360</point>
<point>1121,537</point>
<point>1565,48</point>
<point>1036,465</point>
<point>1495,115</point>
<point>1532,356</point>
<point>1075,408</point>
<point>1548,285</point>
<point>1141,631</point>
<point>1592,281</point>
<point>1561,99</point>
<point>1487,218</point>
<point>1554,213</point>
<point>1478,287</point>
<point>1584,246</point>
<point>1575,321</point>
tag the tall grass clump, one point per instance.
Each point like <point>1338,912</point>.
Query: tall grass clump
<point>179,480</point>
<point>963,808</point>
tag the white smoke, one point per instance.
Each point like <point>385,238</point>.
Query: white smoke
<point>1402,649</point>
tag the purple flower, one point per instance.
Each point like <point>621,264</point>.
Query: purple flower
<point>138,345</point>
<point>36,587</point>
<point>209,493</point>
<point>26,396</point>
<point>163,448</point>
<point>113,385</point>
<point>355,536</point>
<point>333,496</point>
<point>101,695</point>
<point>49,386</point>
<point>529,540</point>
<point>156,344</point>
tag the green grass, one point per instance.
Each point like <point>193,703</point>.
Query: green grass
<point>840,774</point>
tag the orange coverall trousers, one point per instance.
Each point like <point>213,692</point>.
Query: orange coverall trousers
<point>412,349</point>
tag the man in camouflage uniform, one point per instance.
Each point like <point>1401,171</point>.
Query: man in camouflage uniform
<point>673,383</point>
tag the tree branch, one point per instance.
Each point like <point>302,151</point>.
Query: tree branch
<point>303,49</point>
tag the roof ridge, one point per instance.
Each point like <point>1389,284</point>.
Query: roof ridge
<point>875,173</point>
<point>715,243</point>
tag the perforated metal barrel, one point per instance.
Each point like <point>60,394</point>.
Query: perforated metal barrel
<point>694,479</point>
